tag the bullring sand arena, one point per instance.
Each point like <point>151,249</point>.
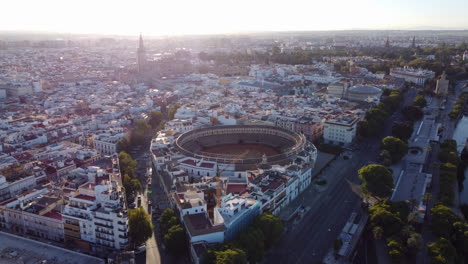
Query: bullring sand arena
<point>249,151</point>
<point>239,144</point>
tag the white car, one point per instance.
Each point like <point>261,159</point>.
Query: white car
<point>140,250</point>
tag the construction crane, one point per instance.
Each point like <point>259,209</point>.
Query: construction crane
<point>218,176</point>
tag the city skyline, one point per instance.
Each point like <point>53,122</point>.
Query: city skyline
<point>210,17</point>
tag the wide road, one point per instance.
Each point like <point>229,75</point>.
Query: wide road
<point>309,241</point>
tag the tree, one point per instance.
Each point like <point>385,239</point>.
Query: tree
<point>377,180</point>
<point>155,118</point>
<point>136,185</point>
<point>376,118</point>
<point>123,145</point>
<point>363,128</point>
<point>175,239</point>
<point>252,242</point>
<point>412,113</point>
<point>395,248</point>
<point>271,226</point>
<point>127,164</point>
<point>140,228</point>
<point>460,238</point>
<point>442,221</point>
<point>377,231</point>
<point>402,131</point>
<point>441,251</point>
<point>140,132</point>
<point>384,215</point>
<point>414,242</point>
<point>420,101</point>
<point>132,186</point>
<point>448,157</point>
<point>396,147</point>
<point>449,144</point>
<point>231,256</point>
<point>172,111</point>
<point>167,219</point>
<point>385,157</point>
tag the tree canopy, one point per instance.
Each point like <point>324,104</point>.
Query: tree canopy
<point>172,111</point>
<point>155,118</point>
<point>376,180</point>
<point>442,251</point>
<point>271,226</point>
<point>396,147</point>
<point>384,215</point>
<point>412,113</point>
<point>231,256</point>
<point>402,131</point>
<point>442,221</point>
<point>175,239</point>
<point>420,101</point>
<point>252,242</point>
<point>140,228</point>
<point>127,164</point>
<point>167,219</point>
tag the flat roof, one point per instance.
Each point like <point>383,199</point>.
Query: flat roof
<point>33,251</point>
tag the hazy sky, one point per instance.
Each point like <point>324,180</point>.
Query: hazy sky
<point>157,17</point>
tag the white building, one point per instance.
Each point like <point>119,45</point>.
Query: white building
<point>107,141</point>
<point>337,89</point>
<point>236,213</point>
<point>96,217</point>
<point>416,76</point>
<point>34,213</point>
<point>194,215</point>
<point>179,125</point>
<point>340,130</point>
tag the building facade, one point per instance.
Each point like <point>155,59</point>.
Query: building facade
<point>442,85</point>
<point>340,130</point>
<point>416,76</point>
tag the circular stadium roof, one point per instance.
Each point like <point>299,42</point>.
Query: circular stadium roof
<point>364,89</point>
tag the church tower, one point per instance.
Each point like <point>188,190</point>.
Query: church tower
<point>413,45</point>
<point>141,56</point>
<point>387,43</point>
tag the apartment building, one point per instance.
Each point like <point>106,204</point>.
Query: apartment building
<point>340,130</point>
<point>106,142</point>
<point>96,217</point>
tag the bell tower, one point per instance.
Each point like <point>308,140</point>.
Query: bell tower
<point>141,56</point>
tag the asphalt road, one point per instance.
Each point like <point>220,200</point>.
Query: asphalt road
<point>329,210</point>
<point>152,254</point>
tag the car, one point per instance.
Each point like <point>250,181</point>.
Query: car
<point>139,200</point>
<point>140,250</point>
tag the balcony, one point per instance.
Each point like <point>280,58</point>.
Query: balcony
<point>72,233</point>
<point>122,229</point>
<point>121,223</point>
<point>71,226</point>
<point>104,231</point>
<point>103,225</point>
<point>123,236</point>
<point>105,239</point>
